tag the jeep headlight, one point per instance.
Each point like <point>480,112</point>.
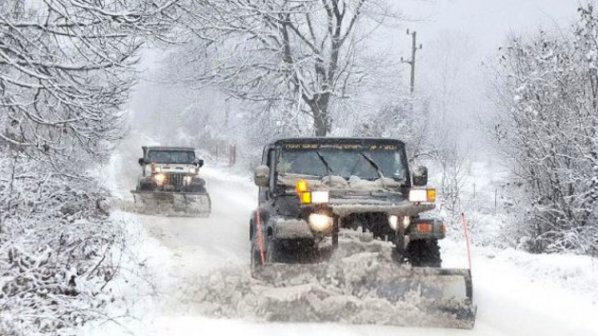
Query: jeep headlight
<point>187,180</point>
<point>160,178</point>
<point>319,197</point>
<point>422,195</point>
<point>314,197</point>
<point>319,222</point>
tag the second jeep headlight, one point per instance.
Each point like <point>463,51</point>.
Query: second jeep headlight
<point>320,222</point>
<point>160,178</point>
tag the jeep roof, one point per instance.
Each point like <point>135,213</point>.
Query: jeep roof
<point>326,140</point>
<point>166,148</point>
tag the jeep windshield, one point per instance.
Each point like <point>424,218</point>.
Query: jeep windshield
<point>175,157</point>
<point>368,162</point>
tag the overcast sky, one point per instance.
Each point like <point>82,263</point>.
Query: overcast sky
<point>486,21</point>
<point>479,27</point>
<point>457,37</point>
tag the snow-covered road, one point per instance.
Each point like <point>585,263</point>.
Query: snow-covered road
<point>207,243</point>
<point>516,293</point>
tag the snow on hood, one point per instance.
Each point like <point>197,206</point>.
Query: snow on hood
<point>335,182</point>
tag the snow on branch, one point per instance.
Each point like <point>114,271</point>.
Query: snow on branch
<point>66,68</point>
<point>299,55</point>
<point>547,130</point>
<point>58,250</point>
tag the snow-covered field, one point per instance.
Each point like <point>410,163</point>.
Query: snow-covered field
<point>516,293</point>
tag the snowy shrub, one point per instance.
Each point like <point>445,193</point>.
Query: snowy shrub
<point>58,251</point>
<point>548,131</point>
<point>67,68</point>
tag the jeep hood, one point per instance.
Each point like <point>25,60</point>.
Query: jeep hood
<point>355,195</point>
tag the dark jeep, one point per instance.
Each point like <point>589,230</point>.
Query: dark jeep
<point>310,188</point>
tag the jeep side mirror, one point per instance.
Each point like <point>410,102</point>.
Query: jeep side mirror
<point>420,176</point>
<point>261,176</point>
<point>198,162</point>
<point>141,161</point>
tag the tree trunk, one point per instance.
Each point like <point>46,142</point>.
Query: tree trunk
<point>320,127</point>
<point>319,111</point>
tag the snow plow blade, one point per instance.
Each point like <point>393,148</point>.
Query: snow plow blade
<point>404,295</point>
<point>168,203</point>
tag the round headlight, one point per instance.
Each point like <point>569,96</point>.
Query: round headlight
<point>393,221</point>
<point>406,221</point>
<point>160,178</point>
<point>319,222</point>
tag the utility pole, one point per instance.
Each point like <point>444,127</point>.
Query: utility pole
<point>226,111</point>
<point>411,62</point>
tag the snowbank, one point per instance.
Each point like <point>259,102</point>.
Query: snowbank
<point>59,254</point>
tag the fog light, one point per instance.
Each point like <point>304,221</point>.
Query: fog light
<point>406,221</point>
<point>393,221</point>
<point>319,222</point>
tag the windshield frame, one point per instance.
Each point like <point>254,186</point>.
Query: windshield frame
<point>181,152</point>
<point>357,147</point>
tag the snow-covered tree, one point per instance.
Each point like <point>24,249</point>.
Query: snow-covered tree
<point>547,130</point>
<point>66,70</point>
<point>66,67</point>
<point>293,57</point>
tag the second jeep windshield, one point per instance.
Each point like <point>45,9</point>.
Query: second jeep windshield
<point>342,162</point>
<point>175,157</point>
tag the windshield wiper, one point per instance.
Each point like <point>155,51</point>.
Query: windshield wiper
<point>328,169</point>
<point>375,165</point>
